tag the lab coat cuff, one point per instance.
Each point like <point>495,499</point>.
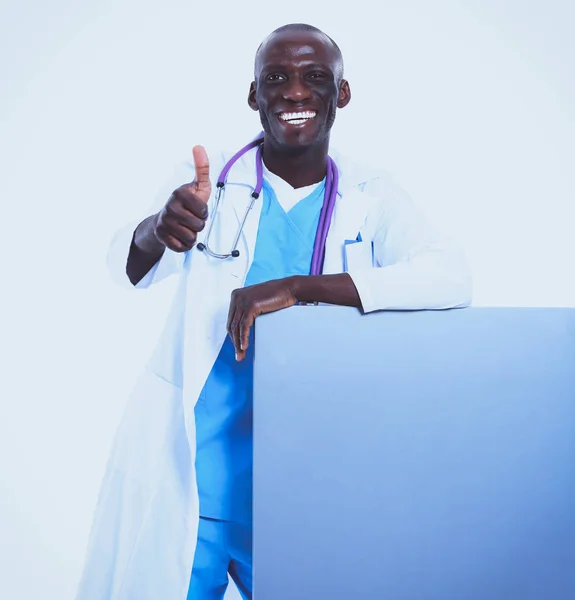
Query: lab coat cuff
<point>416,286</point>
<point>118,254</point>
<point>170,262</point>
<point>362,279</point>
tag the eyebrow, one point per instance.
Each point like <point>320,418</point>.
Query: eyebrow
<point>281,67</point>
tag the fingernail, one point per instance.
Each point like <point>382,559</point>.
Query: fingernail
<point>237,356</point>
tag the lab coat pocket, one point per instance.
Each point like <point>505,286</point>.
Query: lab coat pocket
<point>358,255</point>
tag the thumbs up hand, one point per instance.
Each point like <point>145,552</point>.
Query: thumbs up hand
<point>185,213</point>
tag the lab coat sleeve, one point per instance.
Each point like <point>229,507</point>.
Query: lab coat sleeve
<point>415,267</point>
<point>171,262</point>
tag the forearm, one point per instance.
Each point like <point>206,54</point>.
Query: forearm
<point>145,251</point>
<point>330,289</point>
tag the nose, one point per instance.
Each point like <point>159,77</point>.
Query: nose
<point>296,90</point>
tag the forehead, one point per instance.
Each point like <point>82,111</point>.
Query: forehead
<point>292,47</point>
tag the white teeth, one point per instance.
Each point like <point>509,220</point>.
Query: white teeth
<point>297,118</point>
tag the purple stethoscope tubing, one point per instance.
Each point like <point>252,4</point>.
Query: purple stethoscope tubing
<point>330,197</point>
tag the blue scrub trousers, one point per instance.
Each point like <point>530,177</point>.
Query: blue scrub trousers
<point>223,546</point>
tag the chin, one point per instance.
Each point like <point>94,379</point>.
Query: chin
<point>298,139</point>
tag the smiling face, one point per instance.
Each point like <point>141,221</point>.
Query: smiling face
<point>298,87</point>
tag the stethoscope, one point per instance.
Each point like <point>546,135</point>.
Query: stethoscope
<point>329,199</point>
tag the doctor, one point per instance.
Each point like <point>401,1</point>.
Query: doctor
<point>174,513</point>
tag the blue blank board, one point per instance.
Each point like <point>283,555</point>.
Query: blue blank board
<point>414,455</point>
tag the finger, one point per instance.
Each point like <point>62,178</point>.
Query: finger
<point>244,330</point>
<point>173,243</point>
<point>177,213</point>
<point>187,198</point>
<point>230,323</point>
<point>202,166</point>
<point>172,233</point>
<point>235,332</point>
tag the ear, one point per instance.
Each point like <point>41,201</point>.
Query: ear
<point>252,97</point>
<point>344,94</point>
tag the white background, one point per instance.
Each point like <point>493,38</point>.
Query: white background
<point>470,104</point>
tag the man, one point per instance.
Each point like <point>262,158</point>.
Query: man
<point>157,534</point>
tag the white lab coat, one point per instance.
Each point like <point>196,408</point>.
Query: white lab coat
<point>145,526</point>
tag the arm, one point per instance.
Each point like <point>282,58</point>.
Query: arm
<point>329,289</point>
<point>250,302</point>
<point>155,247</point>
<point>436,277</point>
<point>145,250</point>
<point>416,269</point>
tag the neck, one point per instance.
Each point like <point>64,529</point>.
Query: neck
<point>299,167</point>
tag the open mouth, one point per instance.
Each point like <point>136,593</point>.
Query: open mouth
<point>297,118</point>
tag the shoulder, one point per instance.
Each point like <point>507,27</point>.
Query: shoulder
<point>374,188</point>
<point>386,205</point>
<point>356,176</point>
<point>352,173</point>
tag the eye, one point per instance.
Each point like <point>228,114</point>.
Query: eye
<point>316,75</point>
<point>275,77</point>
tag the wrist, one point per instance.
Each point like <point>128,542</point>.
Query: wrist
<point>297,285</point>
<point>145,238</point>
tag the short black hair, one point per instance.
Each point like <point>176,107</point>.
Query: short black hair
<point>302,27</point>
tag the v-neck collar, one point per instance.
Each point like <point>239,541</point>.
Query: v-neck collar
<point>286,195</point>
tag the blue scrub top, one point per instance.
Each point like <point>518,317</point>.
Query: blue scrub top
<point>284,247</point>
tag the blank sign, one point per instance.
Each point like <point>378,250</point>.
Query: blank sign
<point>415,455</point>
